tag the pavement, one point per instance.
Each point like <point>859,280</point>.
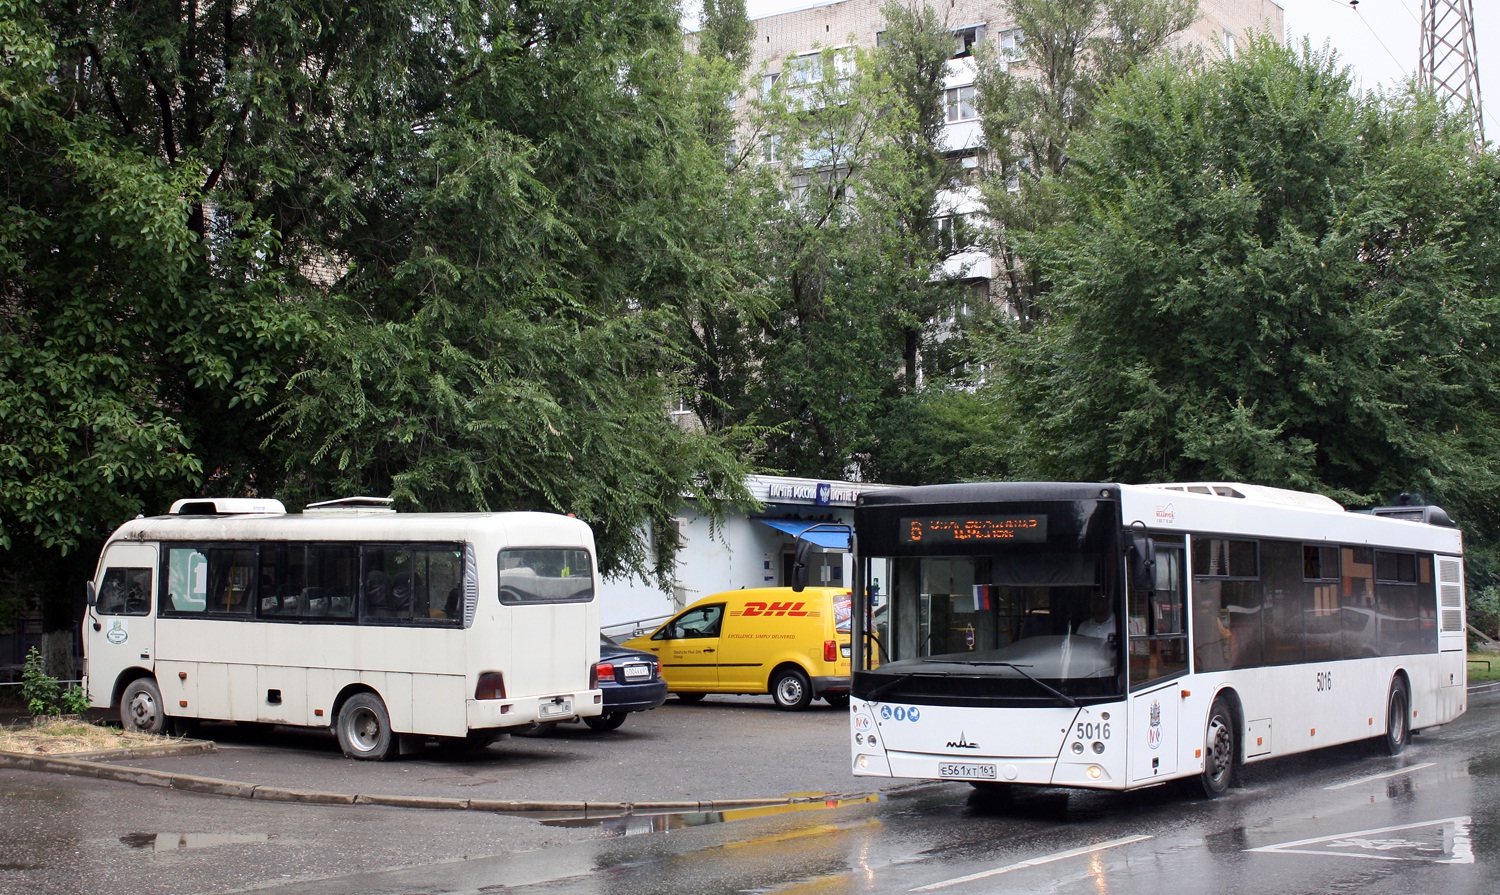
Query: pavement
<point>723,753</point>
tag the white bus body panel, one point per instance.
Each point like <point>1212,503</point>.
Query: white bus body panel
<point>293,673</point>
<point>1283,710</point>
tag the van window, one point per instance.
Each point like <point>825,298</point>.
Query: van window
<point>702,621</point>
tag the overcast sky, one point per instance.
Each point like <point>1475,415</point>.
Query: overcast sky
<point>1377,38</point>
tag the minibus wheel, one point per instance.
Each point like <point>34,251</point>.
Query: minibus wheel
<point>141,707</point>
<point>1397,718</point>
<point>791,689</point>
<point>364,728</point>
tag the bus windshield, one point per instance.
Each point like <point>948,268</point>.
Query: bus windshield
<point>1032,620</point>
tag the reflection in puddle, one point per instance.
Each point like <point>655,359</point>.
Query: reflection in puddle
<point>171,842</point>
<point>628,822</point>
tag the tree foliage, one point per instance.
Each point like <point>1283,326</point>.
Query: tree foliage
<point>840,169</point>
<point>1269,278</point>
<point>432,250</point>
<point>1038,96</point>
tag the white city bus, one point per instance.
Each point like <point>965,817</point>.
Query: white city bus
<point>1233,623</point>
<point>390,628</point>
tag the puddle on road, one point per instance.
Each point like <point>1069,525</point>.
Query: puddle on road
<point>633,822</point>
<point>174,842</point>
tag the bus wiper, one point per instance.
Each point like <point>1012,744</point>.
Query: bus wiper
<point>1019,670</point>
<point>871,696</point>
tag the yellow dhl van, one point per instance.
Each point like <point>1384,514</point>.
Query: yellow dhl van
<point>793,645</point>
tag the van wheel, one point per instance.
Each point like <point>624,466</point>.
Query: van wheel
<point>364,728</point>
<point>1397,718</point>
<point>791,689</point>
<point>837,700</point>
<point>689,698</point>
<point>141,707</point>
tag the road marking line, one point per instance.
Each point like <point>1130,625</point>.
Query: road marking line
<point>1415,767</point>
<point>1458,845</point>
<point>1034,862</point>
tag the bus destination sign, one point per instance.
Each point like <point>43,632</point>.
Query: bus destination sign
<point>973,529</point>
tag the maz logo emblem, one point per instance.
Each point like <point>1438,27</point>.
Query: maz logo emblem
<point>962,743</point>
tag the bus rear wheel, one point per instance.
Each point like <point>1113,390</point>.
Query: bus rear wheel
<point>1397,718</point>
<point>364,728</point>
<point>1220,752</point>
<point>141,708</point>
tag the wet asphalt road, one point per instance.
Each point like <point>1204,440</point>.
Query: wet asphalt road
<point>1342,820</point>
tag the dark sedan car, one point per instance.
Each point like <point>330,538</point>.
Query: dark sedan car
<point>631,681</point>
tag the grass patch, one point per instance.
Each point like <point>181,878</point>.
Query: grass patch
<point>1478,674</point>
<point>62,736</point>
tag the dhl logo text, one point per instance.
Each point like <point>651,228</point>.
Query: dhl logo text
<point>753,609</point>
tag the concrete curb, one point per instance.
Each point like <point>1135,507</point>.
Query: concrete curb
<point>80,767</point>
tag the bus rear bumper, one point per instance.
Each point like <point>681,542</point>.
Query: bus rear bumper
<point>490,714</point>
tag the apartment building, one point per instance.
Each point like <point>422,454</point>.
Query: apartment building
<point>788,42</point>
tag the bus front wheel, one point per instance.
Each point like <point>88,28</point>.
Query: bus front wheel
<point>1220,752</point>
<point>1397,718</point>
<point>364,728</point>
<point>141,707</point>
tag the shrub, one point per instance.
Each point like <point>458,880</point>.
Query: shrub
<point>1484,610</point>
<point>44,694</point>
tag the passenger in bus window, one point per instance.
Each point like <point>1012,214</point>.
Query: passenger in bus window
<point>1101,621</point>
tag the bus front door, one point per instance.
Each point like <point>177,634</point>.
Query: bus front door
<point>1153,732</point>
<point>119,630</point>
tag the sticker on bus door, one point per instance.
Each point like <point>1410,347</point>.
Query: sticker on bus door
<point>1153,733</point>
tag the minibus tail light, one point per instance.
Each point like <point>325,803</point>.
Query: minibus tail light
<point>491,686</point>
<point>830,651</point>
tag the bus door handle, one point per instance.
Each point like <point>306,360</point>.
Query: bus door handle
<point>708,649</point>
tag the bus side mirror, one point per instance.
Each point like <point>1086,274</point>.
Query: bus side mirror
<point>799,565</point>
<point>1142,559</point>
<point>90,595</point>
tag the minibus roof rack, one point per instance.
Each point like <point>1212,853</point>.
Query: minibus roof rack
<point>362,504</point>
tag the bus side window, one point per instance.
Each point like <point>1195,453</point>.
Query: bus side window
<point>125,592</point>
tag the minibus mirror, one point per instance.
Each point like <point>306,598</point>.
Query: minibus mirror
<point>90,596</point>
<point>799,565</point>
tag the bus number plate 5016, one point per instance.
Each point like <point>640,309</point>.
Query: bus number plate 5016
<point>967,771</point>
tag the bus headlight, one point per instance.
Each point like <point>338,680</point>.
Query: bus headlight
<point>1095,772</point>
<point>1098,748</point>
<point>1077,748</point>
<point>864,762</point>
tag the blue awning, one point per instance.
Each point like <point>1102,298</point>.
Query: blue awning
<point>829,536</point>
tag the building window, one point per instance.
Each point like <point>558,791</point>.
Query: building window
<point>964,40</point>
<point>769,81</point>
<point>1010,45</point>
<point>960,103</point>
<point>770,149</point>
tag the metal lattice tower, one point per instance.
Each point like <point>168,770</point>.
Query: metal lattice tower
<point>1449,60</point>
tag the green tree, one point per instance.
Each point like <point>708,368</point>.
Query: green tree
<point>1037,95</point>
<point>314,249</point>
<point>134,354</point>
<point>1267,278</point>
<point>844,194</point>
